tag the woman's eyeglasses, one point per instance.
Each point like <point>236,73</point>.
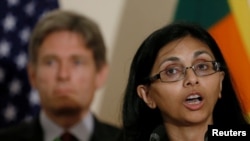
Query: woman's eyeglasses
<point>177,72</point>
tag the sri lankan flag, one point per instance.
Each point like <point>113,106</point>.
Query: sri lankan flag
<point>229,23</point>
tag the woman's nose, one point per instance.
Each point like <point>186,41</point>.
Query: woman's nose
<point>190,77</point>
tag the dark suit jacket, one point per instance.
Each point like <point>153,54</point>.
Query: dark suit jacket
<point>32,131</point>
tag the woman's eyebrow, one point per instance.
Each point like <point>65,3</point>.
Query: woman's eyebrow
<point>169,59</point>
<point>198,53</point>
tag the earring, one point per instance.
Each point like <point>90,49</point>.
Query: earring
<point>151,105</point>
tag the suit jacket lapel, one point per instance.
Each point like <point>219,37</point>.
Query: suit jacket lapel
<point>104,132</point>
<point>32,131</point>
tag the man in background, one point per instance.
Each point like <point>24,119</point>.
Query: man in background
<point>67,64</point>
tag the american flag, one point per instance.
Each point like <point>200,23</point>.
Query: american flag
<point>18,101</point>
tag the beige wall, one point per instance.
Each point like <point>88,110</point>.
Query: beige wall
<point>125,24</point>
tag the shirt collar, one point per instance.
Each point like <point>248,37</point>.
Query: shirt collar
<point>83,130</point>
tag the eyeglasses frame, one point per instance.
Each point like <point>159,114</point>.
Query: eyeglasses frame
<point>217,66</point>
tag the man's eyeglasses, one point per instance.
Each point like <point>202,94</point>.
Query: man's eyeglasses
<point>177,72</point>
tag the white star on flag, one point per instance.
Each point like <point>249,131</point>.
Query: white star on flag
<point>9,23</point>
<point>29,9</point>
<point>25,34</point>
<point>12,2</point>
<point>10,112</point>
<point>4,48</point>
<point>21,60</point>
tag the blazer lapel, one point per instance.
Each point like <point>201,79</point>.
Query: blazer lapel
<point>32,132</point>
<point>104,131</point>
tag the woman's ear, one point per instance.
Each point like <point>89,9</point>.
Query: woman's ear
<point>222,74</point>
<point>143,93</point>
